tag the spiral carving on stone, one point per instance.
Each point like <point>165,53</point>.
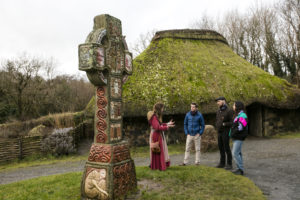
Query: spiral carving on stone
<point>101,113</point>
<point>100,91</point>
<point>101,125</point>
<point>101,102</point>
<point>100,153</point>
<point>101,137</point>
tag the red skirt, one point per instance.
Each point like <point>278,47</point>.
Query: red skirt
<point>158,159</point>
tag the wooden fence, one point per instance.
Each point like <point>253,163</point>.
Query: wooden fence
<point>18,148</point>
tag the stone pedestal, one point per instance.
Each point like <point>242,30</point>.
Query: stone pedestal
<point>109,172</point>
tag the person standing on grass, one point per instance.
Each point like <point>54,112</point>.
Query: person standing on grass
<point>224,118</point>
<point>158,146</point>
<point>193,127</point>
<point>238,133</point>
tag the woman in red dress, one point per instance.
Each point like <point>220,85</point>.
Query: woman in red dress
<point>158,147</point>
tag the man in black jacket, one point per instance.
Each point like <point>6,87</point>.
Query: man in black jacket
<point>224,119</point>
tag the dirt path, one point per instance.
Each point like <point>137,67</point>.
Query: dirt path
<point>272,164</point>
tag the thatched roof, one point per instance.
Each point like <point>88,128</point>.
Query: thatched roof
<point>184,66</point>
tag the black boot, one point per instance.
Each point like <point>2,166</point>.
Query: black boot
<point>220,165</point>
<point>228,167</point>
<point>238,172</point>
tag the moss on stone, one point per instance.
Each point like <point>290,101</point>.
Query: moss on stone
<point>180,71</point>
<point>89,110</point>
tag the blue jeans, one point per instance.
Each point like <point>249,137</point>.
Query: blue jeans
<point>237,153</point>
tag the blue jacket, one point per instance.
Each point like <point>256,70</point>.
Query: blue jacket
<point>194,124</point>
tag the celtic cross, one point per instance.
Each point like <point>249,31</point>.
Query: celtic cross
<point>109,172</point>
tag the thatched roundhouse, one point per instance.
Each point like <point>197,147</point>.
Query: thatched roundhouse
<point>184,66</point>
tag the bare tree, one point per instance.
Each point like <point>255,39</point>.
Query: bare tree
<point>290,13</point>
<point>270,42</point>
<point>204,22</point>
<point>142,42</point>
<point>29,89</point>
<point>49,69</point>
<point>233,28</point>
<point>21,71</point>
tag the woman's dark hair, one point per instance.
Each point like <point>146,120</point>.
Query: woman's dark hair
<point>157,110</point>
<point>238,107</point>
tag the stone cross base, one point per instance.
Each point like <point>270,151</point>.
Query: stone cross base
<point>109,172</point>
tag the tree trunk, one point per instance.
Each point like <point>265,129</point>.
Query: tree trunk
<point>20,105</point>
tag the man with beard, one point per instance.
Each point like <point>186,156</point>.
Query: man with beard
<point>224,119</point>
<point>193,128</point>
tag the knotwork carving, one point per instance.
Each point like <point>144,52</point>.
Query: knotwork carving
<point>121,153</point>
<point>124,178</point>
<point>101,137</point>
<point>100,153</point>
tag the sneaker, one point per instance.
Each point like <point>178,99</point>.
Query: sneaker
<point>183,164</point>
<point>238,172</point>
<point>220,166</point>
<point>228,167</point>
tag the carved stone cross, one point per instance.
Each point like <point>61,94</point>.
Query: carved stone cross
<point>109,172</point>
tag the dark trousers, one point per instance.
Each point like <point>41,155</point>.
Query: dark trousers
<point>223,143</point>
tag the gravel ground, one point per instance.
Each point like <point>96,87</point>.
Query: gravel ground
<point>272,164</point>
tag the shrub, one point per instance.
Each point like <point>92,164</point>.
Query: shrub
<point>59,142</point>
<point>39,130</point>
<point>6,111</point>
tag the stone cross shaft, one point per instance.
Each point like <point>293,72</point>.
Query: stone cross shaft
<point>110,171</point>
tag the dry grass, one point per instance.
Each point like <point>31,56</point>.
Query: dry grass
<point>61,120</point>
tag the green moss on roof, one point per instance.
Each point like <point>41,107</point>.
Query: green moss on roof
<point>178,71</point>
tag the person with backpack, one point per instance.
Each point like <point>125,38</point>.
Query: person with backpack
<point>238,133</point>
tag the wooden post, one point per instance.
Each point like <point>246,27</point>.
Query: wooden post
<point>20,148</point>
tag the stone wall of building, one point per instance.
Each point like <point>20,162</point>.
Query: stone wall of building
<point>279,121</point>
<point>263,121</point>
<point>137,129</point>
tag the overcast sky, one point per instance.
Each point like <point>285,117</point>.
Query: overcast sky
<point>55,28</point>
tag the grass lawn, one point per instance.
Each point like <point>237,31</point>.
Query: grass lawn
<point>190,182</point>
<point>144,151</point>
<point>36,160</point>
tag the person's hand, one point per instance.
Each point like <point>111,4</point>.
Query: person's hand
<point>171,123</point>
